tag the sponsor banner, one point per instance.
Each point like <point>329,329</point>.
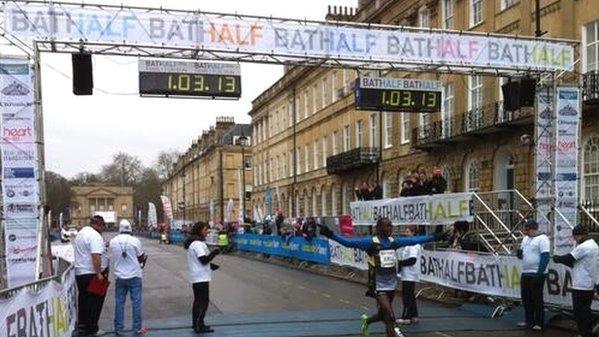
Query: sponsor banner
<point>400,84</point>
<point>20,191</point>
<point>20,210</point>
<point>64,251</point>
<point>239,34</point>
<point>343,256</point>
<point>188,67</point>
<point>566,166</point>
<point>316,250</point>
<point>18,131</point>
<point>21,248</point>
<point>152,216</point>
<point>109,217</point>
<point>19,155</point>
<point>438,209</point>
<point>50,312</point>
<point>543,159</point>
<point>167,207</point>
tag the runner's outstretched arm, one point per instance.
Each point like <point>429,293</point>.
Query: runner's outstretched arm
<point>400,241</point>
<point>364,243</point>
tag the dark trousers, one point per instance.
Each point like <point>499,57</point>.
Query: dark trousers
<point>531,290</point>
<point>89,305</point>
<point>410,310</point>
<point>201,300</point>
<point>581,303</point>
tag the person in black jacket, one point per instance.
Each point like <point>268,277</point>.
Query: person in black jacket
<point>422,186</point>
<point>438,184</point>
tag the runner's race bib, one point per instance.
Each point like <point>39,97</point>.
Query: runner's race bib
<point>387,258</point>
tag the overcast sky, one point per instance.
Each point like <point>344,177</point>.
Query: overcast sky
<point>83,132</point>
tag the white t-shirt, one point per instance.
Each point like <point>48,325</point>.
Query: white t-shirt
<point>585,274</point>
<point>409,273</point>
<point>532,248</point>
<point>125,249</point>
<point>87,242</point>
<point>197,271</point>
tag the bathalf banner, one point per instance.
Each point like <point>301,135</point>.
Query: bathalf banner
<point>566,166</point>
<point>316,250</point>
<point>284,38</point>
<point>438,209</point>
<point>20,176</point>
<point>491,275</point>
<point>475,272</point>
<point>49,312</point>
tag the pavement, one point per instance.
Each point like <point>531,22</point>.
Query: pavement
<point>253,298</point>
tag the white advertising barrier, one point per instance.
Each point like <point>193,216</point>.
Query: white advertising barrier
<point>475,272</point>
<point>566,166</point>
<point>49,312</point>
<point>438,209</point>
<point>287,38</point>
<point>64,251</point>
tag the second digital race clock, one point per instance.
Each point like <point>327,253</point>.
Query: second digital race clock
<point>395,94</point>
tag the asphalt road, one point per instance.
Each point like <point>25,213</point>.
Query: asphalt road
<point>246,286</point>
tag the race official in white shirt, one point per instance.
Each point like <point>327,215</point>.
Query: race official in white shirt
<point>128,259</point>
<point>534,253</point>
<point>409,274</point>
<point>88,249</point>
<point>585,277</point>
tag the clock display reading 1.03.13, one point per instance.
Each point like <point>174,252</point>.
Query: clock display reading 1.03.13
<point>207,85</point>
<point>398,100</point>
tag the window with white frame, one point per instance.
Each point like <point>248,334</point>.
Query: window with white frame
<point>298,108</point>
<point>386,187</point>
<point>591,46</point>
<point>388,135</point>
<point>344,199</point>
<point>423,17</point>
<point>447,110</point>
<point>508,3</point>
<point>475,101</point>
<point>590,169</point>
<point>306,158</point>
<point>298,166</point>
<point>334,143</point>
<point>359,134</point>
<point>307,102</point>
<point>372,136</point>
<point>424,122</point>
<point>405,128</point>
<point>333,201</point>
<point>324,150</point>
<point>290,113</point>
<point>325,92</point>
<point>323,202</point>
<point>447,11</point>
<point>316,155</point>
<point>472,176</point>
<point>334,86</point>
<point>283,165</point>
<point>346,138</point>
<point>476,12</point>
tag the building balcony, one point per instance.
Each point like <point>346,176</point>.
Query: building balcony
<point>488,119</point>
<point>590,88</point>
<point>353,159</point>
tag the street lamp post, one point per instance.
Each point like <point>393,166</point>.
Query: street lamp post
<point>242,141</point>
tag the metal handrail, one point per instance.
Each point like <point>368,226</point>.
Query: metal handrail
<point>588,214</point>
<point>493,235</point>
<point>493,214</point>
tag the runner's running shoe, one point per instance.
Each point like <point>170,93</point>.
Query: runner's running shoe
<point>398,332</point>
<point>364,326</point>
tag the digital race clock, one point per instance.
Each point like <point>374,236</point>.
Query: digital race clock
<point>395,94</point>
<point>189,79</point>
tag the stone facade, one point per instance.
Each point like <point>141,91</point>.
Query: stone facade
<point>99,197</point>
<point>308,116</point>
<point>211,170</point>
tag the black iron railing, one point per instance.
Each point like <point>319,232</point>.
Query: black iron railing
<point>352,159</point>
<point>483,119</point>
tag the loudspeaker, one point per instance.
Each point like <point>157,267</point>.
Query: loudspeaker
<point>511,96</point>
<point>527,92</point>
<point>83,80</point>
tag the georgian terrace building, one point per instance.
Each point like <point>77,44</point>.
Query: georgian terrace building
<point>314,148</point>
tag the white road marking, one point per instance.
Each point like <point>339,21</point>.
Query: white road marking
<point>326,295</point>
<point>344,301</point>
<point>442,334</point>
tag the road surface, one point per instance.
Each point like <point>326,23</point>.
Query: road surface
<point>249,294</point>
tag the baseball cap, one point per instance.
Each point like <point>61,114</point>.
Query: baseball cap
<point>125,226</point>
<point>532,224</point>
<point>579,230</point>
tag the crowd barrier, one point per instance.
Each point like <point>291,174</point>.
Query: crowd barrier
<point>316,250</point>
<point>43,308</point>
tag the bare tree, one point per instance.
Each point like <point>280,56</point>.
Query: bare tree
<point>125,170</point>
<point>164,163</point>
<point>84,178</point>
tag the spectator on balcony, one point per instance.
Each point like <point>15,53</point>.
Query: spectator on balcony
<point>438,184</point>
<point>422,186</point>
<point>377,192</point>
<point>407,189</point>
